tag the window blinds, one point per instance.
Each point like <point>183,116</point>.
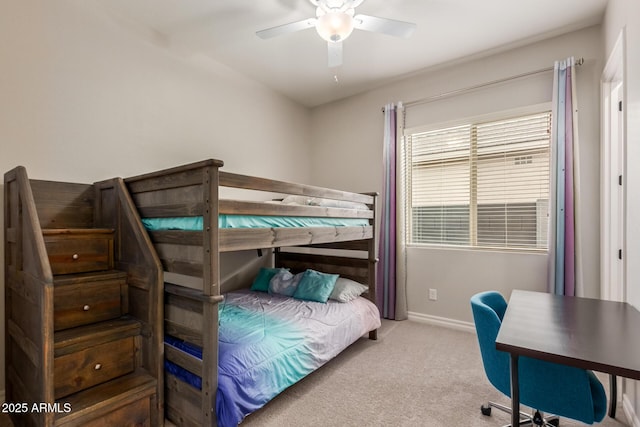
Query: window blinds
<point>480,184</point>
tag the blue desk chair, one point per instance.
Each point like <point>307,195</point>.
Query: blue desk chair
<point>547,387</point>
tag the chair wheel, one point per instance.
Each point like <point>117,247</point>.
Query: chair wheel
<point>555,422</point>
<point>486,410</point>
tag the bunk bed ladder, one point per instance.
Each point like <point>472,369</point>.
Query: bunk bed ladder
<point>82,306</point>
<point>187,311</point>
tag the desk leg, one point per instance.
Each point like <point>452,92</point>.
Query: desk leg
<point>515,392</point>
<point>613,395</point>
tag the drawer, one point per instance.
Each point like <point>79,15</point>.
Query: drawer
<point>77,251</point>
<point>81,300</point>
<point>85,368</point>
<point>135,414</point>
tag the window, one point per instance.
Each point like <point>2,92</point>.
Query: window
<point>483,184</point>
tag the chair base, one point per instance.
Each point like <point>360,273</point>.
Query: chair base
<point>534,419</point>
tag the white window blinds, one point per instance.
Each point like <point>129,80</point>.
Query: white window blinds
<point>480,184</point>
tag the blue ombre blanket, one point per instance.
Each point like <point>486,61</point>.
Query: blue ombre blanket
<point>269,342</point>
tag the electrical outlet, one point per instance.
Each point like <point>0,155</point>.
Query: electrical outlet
<point>433,294</point>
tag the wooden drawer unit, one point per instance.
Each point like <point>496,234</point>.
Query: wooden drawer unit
<point>86,298</point>
<point>94,354</point>
<point>83,369</point>
<point>79,250</point>
<point>83,341</point>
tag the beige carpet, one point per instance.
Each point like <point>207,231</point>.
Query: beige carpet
<point>414,375</point>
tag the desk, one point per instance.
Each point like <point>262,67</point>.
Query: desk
<point>587,333</point>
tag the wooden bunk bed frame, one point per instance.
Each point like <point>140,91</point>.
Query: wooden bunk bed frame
<point>192,314</point>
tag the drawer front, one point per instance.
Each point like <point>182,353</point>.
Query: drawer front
<point>95,365</point>
<point>135,414</point>
<point>84,303</point>
<point>73,254</point>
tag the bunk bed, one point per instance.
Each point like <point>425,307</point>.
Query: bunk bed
<point>190,225</point>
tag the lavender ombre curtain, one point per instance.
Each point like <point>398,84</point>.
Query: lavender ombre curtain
<point>564,249</point>
<point>391,293</point>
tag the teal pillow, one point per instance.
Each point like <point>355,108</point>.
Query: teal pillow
<point>315,286</point>
<point>261,282</point>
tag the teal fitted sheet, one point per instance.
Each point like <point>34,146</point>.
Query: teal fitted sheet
<point>194,223</point>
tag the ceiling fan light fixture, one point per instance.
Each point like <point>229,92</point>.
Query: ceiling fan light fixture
<point>335,26</point>
<point>335,21</point>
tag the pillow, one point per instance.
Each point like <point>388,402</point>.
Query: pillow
<point>344,204</point>
<point>261,282</point>
<point>315,286</point>
<point>297,200</point>
<point>325,203</point>
<point>347,290</point>
<point>284,283</point>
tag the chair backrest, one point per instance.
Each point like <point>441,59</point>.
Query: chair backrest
<point>549,387</point>
<point>488,310</point>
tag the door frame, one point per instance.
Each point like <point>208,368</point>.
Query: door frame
<point>613,163</point>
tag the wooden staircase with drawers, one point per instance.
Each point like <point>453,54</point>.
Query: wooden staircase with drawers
<point>82,307</point>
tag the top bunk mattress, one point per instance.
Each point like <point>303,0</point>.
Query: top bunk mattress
<point>194,223</point>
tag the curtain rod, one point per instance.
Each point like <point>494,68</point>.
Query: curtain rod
<point>431,98</point>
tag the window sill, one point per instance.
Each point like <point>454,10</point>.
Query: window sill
<point>460,248</point>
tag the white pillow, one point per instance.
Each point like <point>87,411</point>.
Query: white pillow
<point>344,204</point>
<point>297,200</point>
<point>325,203</point>
<point>347,290</point>
<point>284,283</point>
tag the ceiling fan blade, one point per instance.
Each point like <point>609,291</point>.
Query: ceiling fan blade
<point>384,25</point>
<point>286,28</point>
<point>335,54</point>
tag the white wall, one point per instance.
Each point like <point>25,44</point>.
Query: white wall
<point>625,14</point>
<point>84,100</point>
<point>81,87</point>
<point>347,141</point>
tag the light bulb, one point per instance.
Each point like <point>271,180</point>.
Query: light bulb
<point>334,26</point>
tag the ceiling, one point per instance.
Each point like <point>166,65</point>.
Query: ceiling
<point>296,64</point>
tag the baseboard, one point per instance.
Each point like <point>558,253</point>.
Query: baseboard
<point>629,412</point>
<point>443,321</point>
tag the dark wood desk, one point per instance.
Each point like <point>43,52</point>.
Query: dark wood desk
<point>587,333</point>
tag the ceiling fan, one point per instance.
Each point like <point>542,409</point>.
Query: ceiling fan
<point>334,22</point>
